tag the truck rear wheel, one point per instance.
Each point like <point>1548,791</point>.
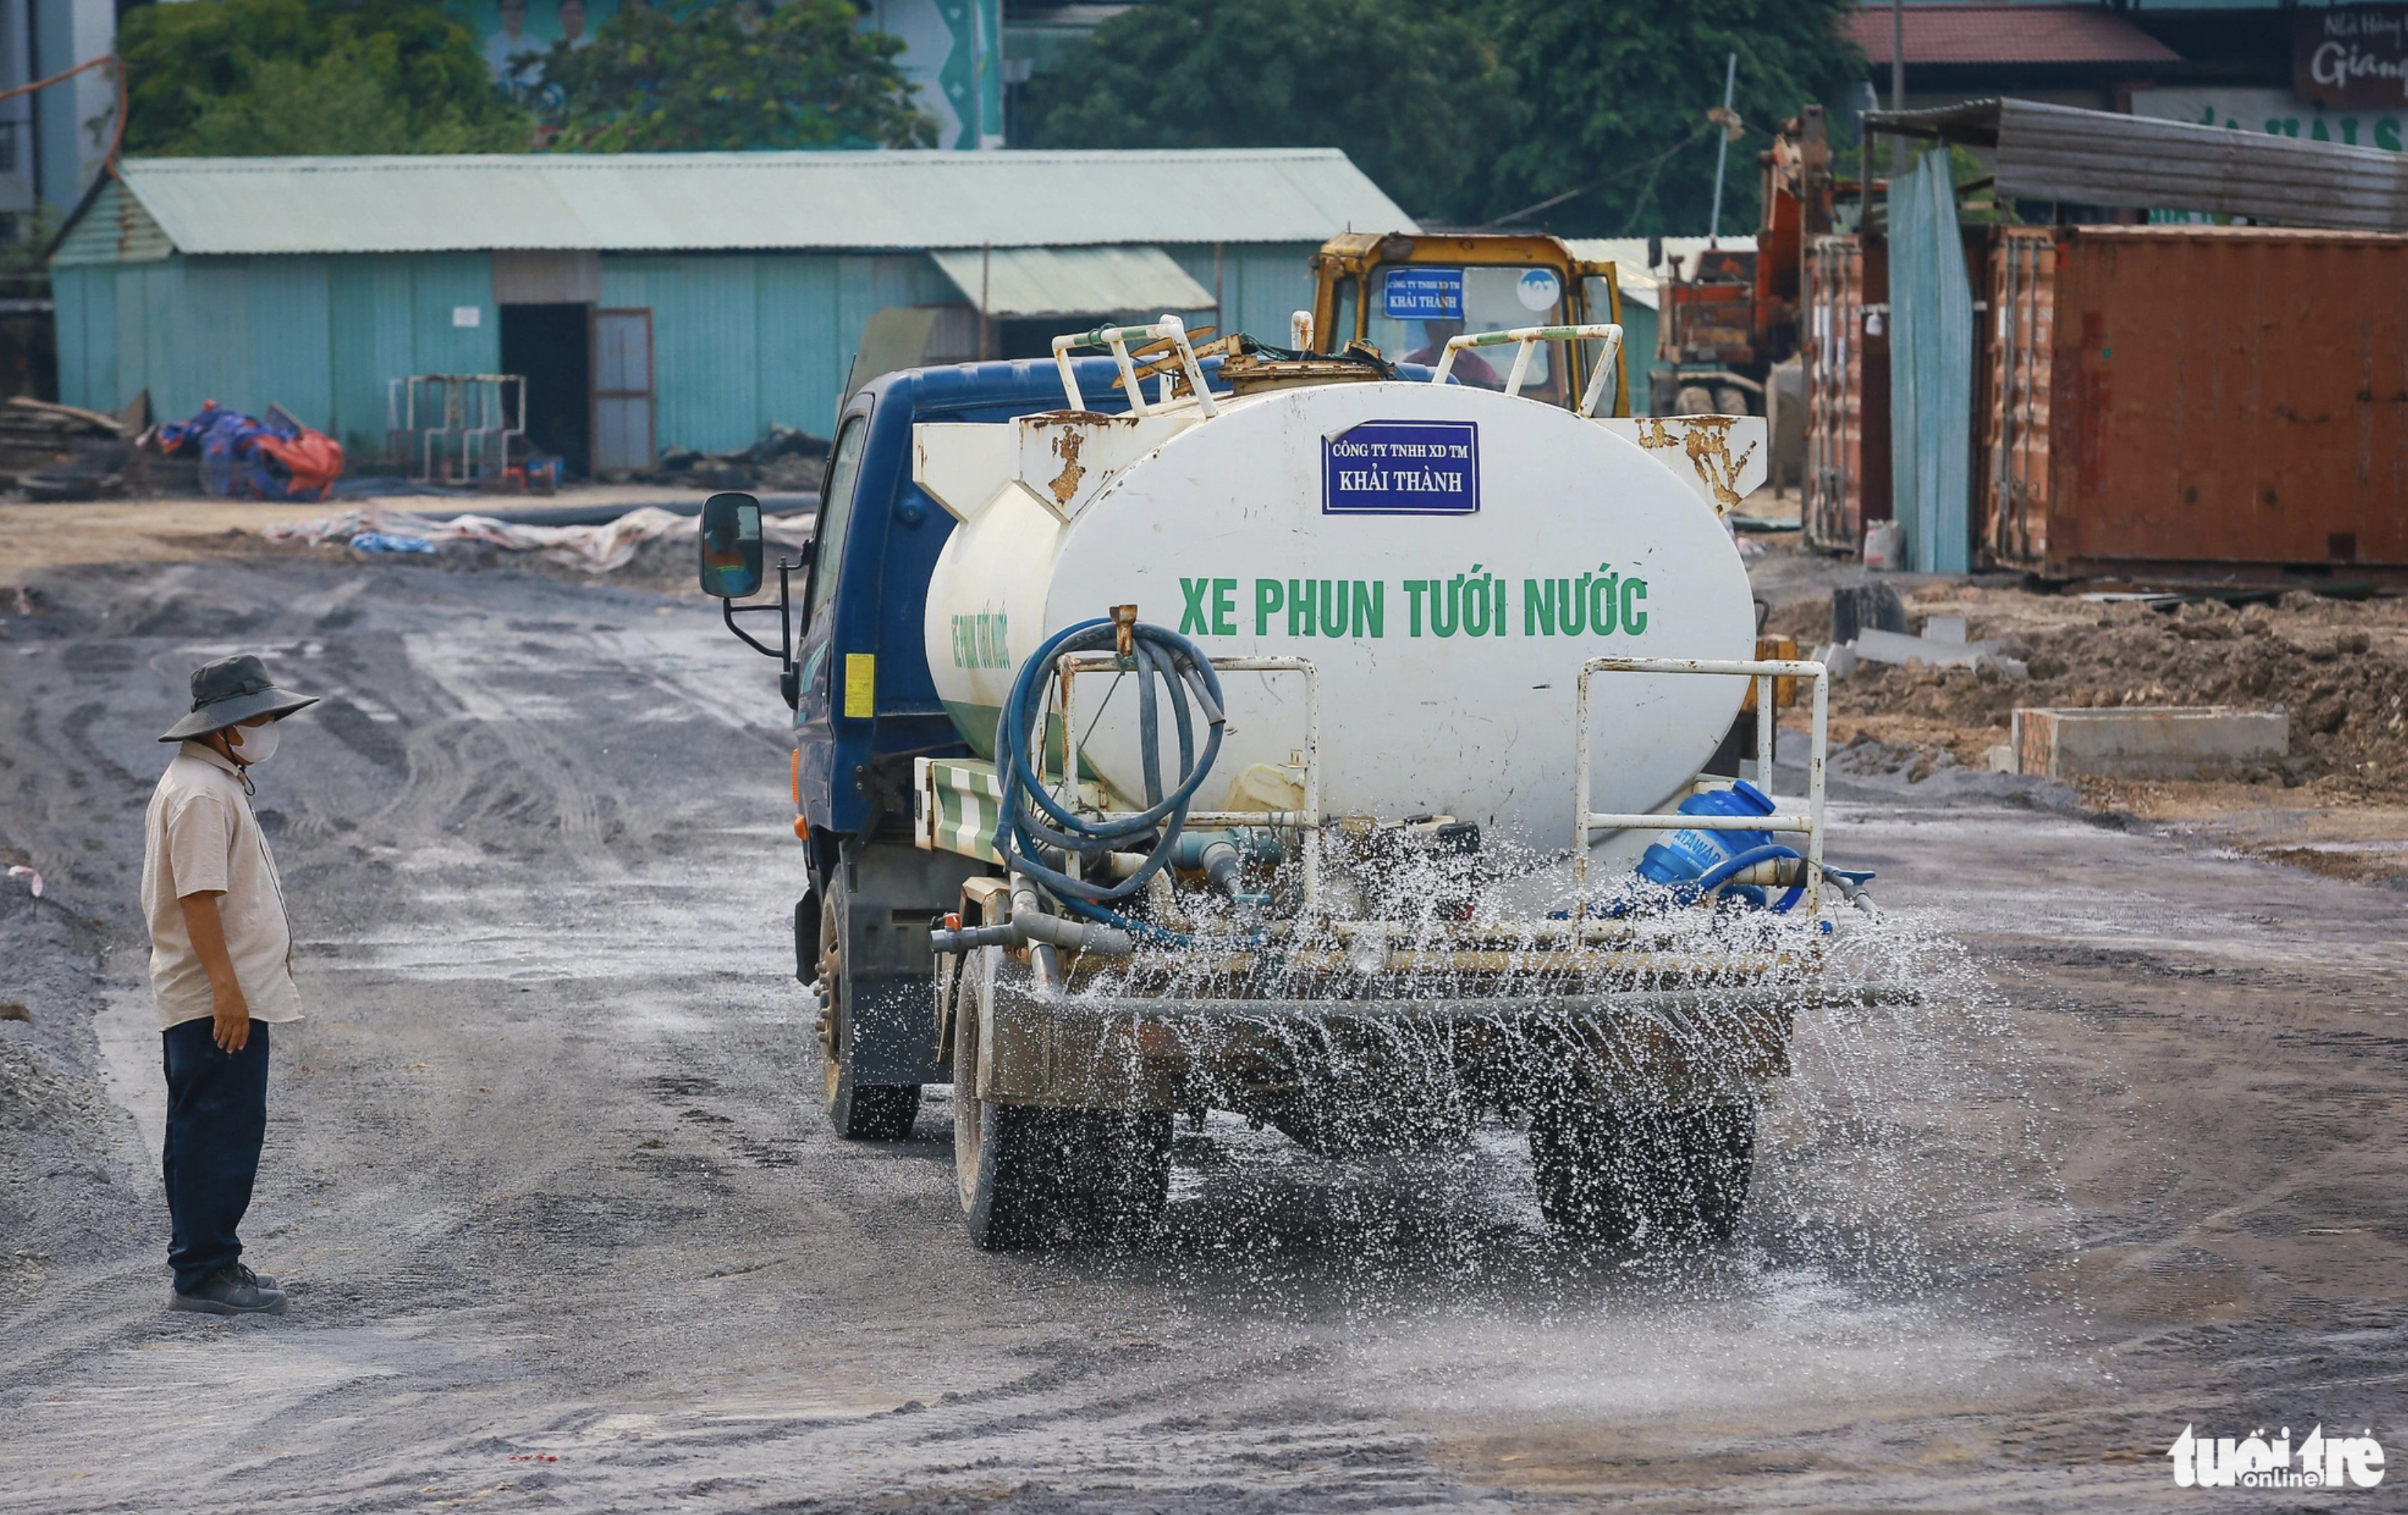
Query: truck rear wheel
<point>1029,1175</point>
<point>859,1112</point>
<point>1679,1175</point>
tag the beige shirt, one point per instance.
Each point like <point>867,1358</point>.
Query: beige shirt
<point>200,835</point>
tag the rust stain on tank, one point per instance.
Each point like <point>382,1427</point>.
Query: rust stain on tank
<point>1066,447</point>
<point>1706,441</point>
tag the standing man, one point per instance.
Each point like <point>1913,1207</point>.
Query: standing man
<point>221,967</point>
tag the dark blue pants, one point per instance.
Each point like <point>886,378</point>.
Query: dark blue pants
<point>216,1117</point>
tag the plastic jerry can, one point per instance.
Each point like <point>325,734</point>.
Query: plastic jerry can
<point>1686,856</point>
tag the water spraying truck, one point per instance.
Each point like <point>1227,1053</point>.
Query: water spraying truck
<point>1293,734</point>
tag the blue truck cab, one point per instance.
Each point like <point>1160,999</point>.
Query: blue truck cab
<point>865,709</point>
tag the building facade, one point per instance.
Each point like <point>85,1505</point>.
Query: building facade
<point>727,292</point>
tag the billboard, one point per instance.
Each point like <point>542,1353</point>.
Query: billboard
<point>2353,56</point>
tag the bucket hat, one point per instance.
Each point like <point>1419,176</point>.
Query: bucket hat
<point>231,691</point>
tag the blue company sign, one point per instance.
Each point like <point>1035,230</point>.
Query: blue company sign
<point>1423,294</point>
<point>1402,468</point>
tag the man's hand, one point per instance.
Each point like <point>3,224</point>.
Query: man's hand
<point>232,1014</point>
<point>207,928</point>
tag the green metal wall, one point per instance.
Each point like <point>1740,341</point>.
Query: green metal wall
<point>740,341</point>
<point>320,337</point>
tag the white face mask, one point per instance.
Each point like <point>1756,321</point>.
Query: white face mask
<point>255,744</point>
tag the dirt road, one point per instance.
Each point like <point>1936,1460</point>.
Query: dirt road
<point>563,1228</point>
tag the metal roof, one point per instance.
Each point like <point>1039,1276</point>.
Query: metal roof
<point>2099,158</point>
<point>1069,281</point>
<point>756,201</point>
<point>1961,33</point>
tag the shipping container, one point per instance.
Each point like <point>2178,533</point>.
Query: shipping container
<point>2197,402</point>
<point>1847,390</point>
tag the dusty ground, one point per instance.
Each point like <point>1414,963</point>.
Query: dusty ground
<point>564,1231</point>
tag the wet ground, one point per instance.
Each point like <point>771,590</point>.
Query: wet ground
<point>564,1229</point>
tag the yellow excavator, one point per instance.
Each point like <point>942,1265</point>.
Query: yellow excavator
<point>1407,294</point>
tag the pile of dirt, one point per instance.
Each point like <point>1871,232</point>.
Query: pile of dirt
<point>2338,667</point>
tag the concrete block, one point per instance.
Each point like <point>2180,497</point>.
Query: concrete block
<point>1943,629</point>
<point>2147,741</point>
<point>1898,648</point>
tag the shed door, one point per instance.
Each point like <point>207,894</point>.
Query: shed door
<point>623,392</point>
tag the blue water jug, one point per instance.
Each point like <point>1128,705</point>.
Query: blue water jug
<point>1686,856</point>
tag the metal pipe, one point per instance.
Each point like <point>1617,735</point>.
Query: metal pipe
<point>1528,337</point>
<point>1721,152</point>
<point>1061,346</point>
<point>1765,688</point>
<point>1673,820</point>
<point>1606,362</point>
<point>1897,82</point>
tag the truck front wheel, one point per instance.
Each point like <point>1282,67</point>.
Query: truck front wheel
<point>859,1112</point>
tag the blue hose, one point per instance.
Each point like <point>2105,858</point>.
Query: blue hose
<point>1033,818</point>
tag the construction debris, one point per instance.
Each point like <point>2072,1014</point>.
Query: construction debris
<point>2337,669</point>
<point>61,453</point>
<point>596,550</point>
<point>785,460</point>
<point>246,458</point>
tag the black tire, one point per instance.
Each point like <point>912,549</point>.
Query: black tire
<point>1123,1177</point>
<point>1681,1176</point>
<point>1590,1189</point>
<point>1703,1158</point>
<point>858,1111</point>
<point>1030,1176</point>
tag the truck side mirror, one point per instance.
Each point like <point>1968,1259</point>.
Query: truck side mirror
<point>731,547</point>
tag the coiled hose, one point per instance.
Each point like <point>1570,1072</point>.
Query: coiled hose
<point>1035,821</point>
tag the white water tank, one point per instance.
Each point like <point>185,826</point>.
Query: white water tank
<point>1347,524</point>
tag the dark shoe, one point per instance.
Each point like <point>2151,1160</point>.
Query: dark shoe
<point>257,1281</point>
<point>234,1291</point>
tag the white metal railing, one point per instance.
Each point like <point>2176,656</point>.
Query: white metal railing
<point>1527,338</point>
<point>1765,672</point>
<point>1169,328</point>
<point>1307,819</point>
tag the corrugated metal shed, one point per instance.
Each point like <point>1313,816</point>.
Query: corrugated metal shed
<point>1060,282</point>
<point>753,201</point>
<point>2010,33</point>
<point>2099,158</point>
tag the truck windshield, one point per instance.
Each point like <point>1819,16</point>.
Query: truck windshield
<point>1415,307</point>
<point>836,513</point>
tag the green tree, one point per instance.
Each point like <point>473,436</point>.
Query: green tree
<point>732,77</point>
<point>1618,99</point>
<point>1415,92</point>
<point>243,77</point>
